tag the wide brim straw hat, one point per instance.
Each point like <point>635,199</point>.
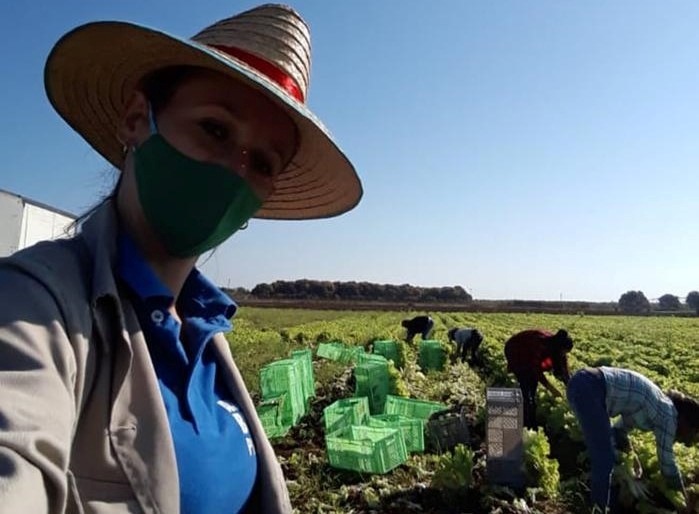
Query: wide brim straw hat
<point>92,71</point>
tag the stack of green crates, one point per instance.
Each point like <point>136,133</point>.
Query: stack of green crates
<point>366,449</point>
<point>388,349</point>
<point>420,409</point>
<point>285,377</point>
<point>307,380</point>
<point>432,355</point>
<point>286,385</point>
<point>412,428</point>
<point>372,381</point>
<point>345,412</point>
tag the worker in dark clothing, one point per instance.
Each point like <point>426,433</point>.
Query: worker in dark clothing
<point>466,339</point>
<point>529,355</point>
<point>418,325</point>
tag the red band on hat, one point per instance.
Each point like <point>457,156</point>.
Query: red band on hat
<point>269,70</point>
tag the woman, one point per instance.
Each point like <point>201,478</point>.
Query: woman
<point>465,339</point>
<point>532,353</point>
<point>119,392</point>
<point>598,394</point>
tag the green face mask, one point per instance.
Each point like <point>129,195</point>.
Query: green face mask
<point>192,206</point>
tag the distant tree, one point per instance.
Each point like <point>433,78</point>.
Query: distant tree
<point>323,290</point>
<point>346,290</point>
<point>634,302</point>
<point>409,292</point>
<point>692,301</point>
<point>669,302</point>
<point>237,293</point>
<point>262,291</point>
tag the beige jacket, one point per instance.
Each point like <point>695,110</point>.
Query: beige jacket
<point>83,428</point>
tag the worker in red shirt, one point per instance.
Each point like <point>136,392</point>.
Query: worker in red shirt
<point>529,355</point>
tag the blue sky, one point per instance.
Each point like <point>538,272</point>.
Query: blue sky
<point>530,150</point>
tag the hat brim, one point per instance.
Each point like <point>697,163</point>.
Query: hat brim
<point>92,71</point>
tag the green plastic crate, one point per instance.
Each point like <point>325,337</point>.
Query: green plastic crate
<point>389,350</point>
<point>332,350</point>
<point>366,449</point>
<point>412,428</point>
<point>337,351</point>
<point>352,354</point>
<point>307,379</point>
<point>372,381</point>
<point>270,414</point>
<point>371,358</point>
<point>431,355</point>
<point>285,376</point>
<point>274,431</point>
<point>345,412</point>
<point>420,409</point>
<point>269,411</point>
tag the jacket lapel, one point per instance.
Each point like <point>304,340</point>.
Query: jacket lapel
<point>138,426</point>
<point>271,492</point>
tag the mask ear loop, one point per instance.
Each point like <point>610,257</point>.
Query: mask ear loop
<point>245,225</point>
<point>151,120</point>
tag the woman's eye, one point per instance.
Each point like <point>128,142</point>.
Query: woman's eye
<point>215,129</point>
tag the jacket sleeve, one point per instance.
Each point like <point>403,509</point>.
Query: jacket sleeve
<point>37,405</point>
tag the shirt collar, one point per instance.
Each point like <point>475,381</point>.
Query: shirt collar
<point>199,297</point>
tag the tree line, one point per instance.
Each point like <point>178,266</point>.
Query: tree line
<point>305,289</point>
<point>631,302</point>
<point>635,302</point>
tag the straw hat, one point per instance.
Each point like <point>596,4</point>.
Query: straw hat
<point>92,71</point>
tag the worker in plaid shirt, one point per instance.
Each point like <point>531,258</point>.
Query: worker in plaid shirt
<point>597,394</point>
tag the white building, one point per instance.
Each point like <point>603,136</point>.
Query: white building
<point>24,222</point>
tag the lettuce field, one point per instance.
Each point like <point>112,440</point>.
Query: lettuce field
<point>664,349</point>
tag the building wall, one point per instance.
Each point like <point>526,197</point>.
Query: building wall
<point>24,223</point>
<point>40,224</point>
<point>11,212</point>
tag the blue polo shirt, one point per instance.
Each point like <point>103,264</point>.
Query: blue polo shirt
<point>216,459</point>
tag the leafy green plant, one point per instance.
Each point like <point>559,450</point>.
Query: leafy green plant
<point>396,383</point>
<point>454,469</point>
<point>540,471</point>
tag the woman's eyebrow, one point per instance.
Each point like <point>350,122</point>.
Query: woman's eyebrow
<point>275,146</point>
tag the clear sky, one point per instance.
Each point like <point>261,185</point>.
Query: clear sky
<point>531,150</point>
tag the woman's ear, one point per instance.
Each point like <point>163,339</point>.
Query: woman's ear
<point>134,127</point>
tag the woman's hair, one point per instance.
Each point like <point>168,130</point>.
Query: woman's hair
<point>111,196</point>
<point>560,366</point>
<point>687,408</point>
<point>563,340</point>
<point>159,87</point>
